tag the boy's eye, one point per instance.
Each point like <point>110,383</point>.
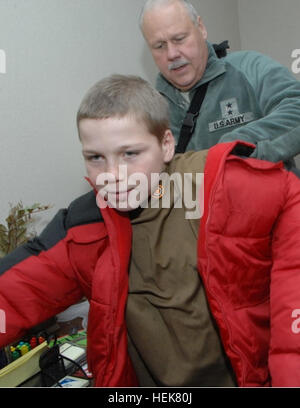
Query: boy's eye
<point>95,157</point>
<point>130,154</point>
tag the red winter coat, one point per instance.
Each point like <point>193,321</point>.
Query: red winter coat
<point>249,261</point>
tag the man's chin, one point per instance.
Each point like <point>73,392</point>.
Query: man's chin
<point>184,83</point>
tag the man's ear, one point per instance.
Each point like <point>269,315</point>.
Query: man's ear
<point>202,28</point>
<point>168,146</point>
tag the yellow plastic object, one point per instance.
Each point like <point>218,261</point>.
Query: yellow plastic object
<point>23,368</point>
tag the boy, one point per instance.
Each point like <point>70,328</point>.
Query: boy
<point>207,302</point>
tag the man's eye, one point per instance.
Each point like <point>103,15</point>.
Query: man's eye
<point>179,39</point>
<point>158,46</point>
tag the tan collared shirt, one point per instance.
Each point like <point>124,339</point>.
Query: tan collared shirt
<point>173,340</point>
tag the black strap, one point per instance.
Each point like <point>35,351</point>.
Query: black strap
<point>189,122</point>
<point>221,48</point>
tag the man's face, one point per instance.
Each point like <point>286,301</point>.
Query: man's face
<point>178,46</point>
<point>115,151</point>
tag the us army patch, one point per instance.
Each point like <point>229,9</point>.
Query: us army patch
<point>230,116</point>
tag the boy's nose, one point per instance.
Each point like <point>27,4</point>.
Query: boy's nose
<point>117,171</point>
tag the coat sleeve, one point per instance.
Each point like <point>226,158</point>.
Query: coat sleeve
<point>36,282</point>
<point>284,353</point>
<point>277,134</point>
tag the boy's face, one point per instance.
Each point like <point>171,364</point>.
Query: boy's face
<point>116,151</point>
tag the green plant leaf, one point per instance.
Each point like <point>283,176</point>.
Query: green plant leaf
<point>16,233</point>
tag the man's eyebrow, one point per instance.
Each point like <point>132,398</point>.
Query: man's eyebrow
<point>179,34</point>
<point>172,38</point>
<point>156,41</point>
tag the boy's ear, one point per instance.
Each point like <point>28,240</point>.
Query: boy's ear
<point>168,146</point>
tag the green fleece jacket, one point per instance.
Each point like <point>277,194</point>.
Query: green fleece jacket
<point>250,97</point>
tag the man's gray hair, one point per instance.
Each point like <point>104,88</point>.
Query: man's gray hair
<point>150,4</point>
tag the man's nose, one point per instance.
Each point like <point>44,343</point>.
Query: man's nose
<point>173,52</point>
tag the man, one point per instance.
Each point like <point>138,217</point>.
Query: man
<point>249,96</point>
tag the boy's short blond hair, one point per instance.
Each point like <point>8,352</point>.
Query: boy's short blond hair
<point>121,95</point>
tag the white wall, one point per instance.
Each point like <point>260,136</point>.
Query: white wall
<point>55,50</point>
<point>271,27</point>
<point>221,20</point>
